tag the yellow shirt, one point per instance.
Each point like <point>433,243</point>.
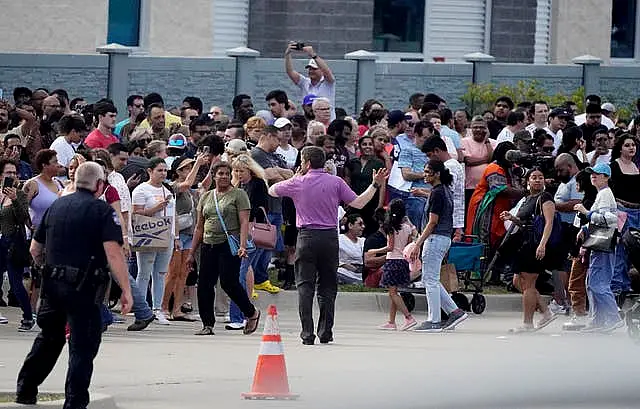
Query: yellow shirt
<point>169,119</point>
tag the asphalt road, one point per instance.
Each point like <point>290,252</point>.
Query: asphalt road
<point>480,365</point>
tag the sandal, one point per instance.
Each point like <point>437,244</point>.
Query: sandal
<point>205,331</point>
<point>252,325</point>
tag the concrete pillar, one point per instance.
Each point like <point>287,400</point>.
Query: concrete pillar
<point>590,73</point>
<point>482,70</point>
<point>245,69</point>
<point>118,80</point>
<point>366,76</point>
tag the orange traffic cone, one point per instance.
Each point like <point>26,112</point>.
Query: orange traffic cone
<point>270,379</point>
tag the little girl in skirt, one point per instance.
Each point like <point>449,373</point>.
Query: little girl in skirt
<point>395,271</point>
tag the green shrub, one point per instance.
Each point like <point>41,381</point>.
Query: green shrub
<point>481,97</point>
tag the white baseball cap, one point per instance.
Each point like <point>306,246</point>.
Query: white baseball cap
<point>281,123</point>
<point>312,63</point>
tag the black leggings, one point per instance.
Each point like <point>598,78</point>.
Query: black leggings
<point>216,259</point>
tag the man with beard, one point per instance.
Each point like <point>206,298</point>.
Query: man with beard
<point>242,108</point>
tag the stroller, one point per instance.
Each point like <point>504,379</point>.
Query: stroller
<point>467,258</point>
<point>631,242</point>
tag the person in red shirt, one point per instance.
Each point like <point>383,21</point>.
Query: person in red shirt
<point>102,136</point>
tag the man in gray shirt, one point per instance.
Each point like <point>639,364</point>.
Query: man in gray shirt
<point>276,171</point>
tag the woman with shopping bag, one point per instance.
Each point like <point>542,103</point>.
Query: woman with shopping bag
<point>154,233</point>
<point>600,237</point>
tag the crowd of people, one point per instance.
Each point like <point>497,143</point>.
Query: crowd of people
<point>405,182</point>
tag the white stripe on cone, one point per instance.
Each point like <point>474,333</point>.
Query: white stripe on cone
<point>271,348</point>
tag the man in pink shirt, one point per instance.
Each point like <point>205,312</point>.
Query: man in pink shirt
<point>478,152</point>
<point>316,195</point>
<point>102,136</point>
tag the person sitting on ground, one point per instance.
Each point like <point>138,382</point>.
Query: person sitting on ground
<point>350,256</point>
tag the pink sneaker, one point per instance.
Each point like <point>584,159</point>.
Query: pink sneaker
<point>408,324</point>
<point>389,326</point>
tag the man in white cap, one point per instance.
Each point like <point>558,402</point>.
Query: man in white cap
<point>320,81</point>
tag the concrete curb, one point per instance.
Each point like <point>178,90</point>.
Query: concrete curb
<point>98,401</point>
<point>288,300</point>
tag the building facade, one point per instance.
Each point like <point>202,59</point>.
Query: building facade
<point>522,31</point>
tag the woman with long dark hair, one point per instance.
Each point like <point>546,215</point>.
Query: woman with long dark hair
<point>358,174</point>
<point>435,241</point>
<point>625,177</point>
<point>534,254</point>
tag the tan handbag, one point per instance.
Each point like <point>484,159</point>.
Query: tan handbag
<point>264,235</point>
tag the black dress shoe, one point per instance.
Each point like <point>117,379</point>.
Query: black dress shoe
<point>26,401</point>
<point>139,325</point>
<point>326,341</point>
<point>307,342</point>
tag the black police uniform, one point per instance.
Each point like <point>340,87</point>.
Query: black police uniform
<point>75,274</point>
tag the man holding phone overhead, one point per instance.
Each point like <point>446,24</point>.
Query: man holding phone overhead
<point>320,80</point>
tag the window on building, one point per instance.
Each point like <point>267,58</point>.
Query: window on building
<point>124,22</point>
<point>398,26</point>
<point>623,29</point>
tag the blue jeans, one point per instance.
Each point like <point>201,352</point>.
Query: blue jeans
<point>415,207</point>
<point>153,265</point>
<point>263,257</point>
<point>15,279</point>
<point>433,252</point>
<point>235,315</point>
<point>621,281</point>
<point>601,300</point>
<point>140,308</point>
<point>396,193</point>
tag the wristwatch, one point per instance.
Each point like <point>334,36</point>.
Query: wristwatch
<point>313,57</point>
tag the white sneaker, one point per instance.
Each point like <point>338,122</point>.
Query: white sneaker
<point>161,318</point>
<point>556,308</point>
<point>234,326</point>
<point>3,319</point>
<point>576,324</point>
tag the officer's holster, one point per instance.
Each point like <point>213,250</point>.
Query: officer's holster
<point>90,282</point>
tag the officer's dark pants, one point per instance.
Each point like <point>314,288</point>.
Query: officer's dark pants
<point>217,260</point>
<point>63,304</point>
<point>316,265</point>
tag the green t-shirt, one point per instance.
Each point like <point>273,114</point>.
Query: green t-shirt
<point>230,204</point>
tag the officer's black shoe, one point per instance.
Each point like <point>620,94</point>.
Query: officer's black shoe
<point>326,341</point>
<point>23,400</point>
<point>139,325</point>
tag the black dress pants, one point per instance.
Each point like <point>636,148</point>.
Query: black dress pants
<point>316,267</point>
<point>62,304</point>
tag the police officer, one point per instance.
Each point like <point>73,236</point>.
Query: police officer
<point>76,244</point>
